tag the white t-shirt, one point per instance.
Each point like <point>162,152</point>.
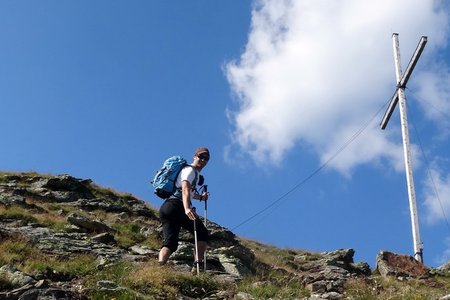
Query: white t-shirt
<point>187,173</point>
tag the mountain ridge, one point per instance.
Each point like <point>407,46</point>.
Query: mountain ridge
<point>67,238</point>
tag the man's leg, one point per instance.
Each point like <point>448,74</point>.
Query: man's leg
<point>168,214</point>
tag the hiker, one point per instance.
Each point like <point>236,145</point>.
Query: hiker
<point>177,211</point>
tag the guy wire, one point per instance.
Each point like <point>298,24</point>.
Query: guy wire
<point>322,166</point>
<point>427,165</point>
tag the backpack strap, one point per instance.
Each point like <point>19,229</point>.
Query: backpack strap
<point>178,194</point>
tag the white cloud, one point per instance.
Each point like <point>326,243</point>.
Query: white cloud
<point>434,96</point>
<point>313,72</point>
<point>437,195</point>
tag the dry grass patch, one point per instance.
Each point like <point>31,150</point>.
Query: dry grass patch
<point>16,213</point>
<point>43,218</point>
<point>165,282</point>
<point>154,280</point>
<point>14,251</point>
<point>394,289</point>
<point>20,253</point>
<point>273,286</point>
<point>276,257</point>
<point>149,279</point>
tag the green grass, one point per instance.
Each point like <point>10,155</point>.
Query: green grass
<point>391,288</point>
<point>151,281</point>
<point>195,286</point>
<point>46,219</point>
<point>120,295</point>
<point>21,254</point>
<point>277,287</point>
<point>15,252</point>
<point>17,213</point>
<point>128,234</point>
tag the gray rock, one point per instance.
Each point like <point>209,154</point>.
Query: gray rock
<point>105,238</point>
<point>243,296</point>
<point>89,225</point>
<point>144,250</point>
<point>398,265</point>
<point>107,285</point>
<point>234,266</point>
<point>15,277</point>
<point>444,268</point>
<point>185,252</point>
<point>65,183</point>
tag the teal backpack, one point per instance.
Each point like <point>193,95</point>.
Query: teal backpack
<point>165,178</point>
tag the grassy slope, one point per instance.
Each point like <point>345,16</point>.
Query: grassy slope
<point>149,280</point>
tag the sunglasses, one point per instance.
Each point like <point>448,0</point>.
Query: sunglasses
<point>203,157</point>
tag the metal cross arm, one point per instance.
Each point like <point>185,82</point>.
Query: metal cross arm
<point>404,80</point>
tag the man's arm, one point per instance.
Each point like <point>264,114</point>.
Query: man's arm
<point>186,196</point>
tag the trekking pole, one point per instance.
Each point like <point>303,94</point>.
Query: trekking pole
<point>205,189</point>
<point>196,248</point>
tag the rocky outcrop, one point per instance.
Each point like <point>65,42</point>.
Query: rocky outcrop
<point>24,287</point>
<point>397,265</point>
<point>325,274</point>
<point>84,233</point>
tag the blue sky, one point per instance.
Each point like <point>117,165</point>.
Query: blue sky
<point>288,96</point>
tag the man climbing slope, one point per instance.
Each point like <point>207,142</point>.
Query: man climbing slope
<point>177,210</point>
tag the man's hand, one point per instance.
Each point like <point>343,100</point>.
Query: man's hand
<point>190,212</point>
<point>204,196</point>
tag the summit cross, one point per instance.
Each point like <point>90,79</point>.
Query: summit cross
<point>399,97</point>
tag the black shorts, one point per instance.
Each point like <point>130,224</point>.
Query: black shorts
<point>173,217</point>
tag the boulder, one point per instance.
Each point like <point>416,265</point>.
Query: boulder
<point>88,224</point>
<point>398,265</point>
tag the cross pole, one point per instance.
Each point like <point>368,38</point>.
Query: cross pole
<point>399,97</point>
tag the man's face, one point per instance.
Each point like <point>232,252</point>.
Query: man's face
<point>201,160</point>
